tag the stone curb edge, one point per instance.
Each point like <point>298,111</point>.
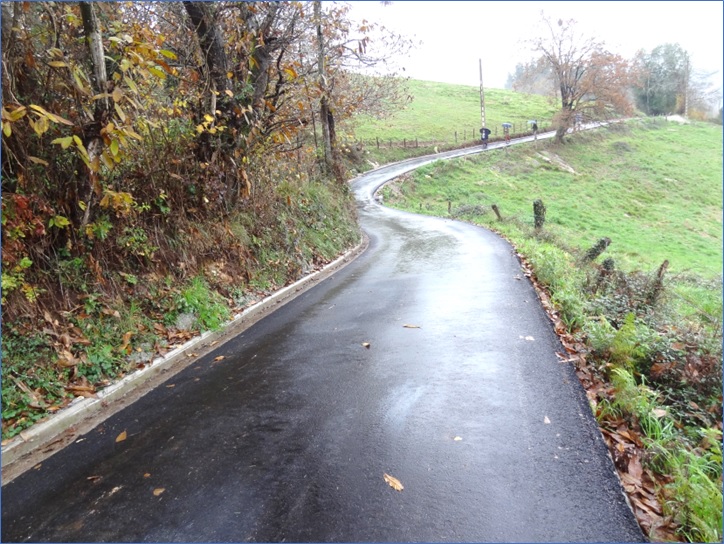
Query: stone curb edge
<point>45,438</point>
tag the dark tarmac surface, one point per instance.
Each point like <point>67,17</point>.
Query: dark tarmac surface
<point>289,436</point>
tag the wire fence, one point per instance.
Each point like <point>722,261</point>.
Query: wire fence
<point>518,128</point>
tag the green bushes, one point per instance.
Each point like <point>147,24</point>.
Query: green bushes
<point>209,309</point>
<point>629,346</point>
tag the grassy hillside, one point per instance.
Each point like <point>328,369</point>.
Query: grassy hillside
<point>654,188</point>
<point>438,110</point>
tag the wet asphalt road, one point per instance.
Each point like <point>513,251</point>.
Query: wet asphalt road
<point>288,437</point>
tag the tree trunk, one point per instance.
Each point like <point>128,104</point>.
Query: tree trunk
<point>94,40</point>
<point>560,133</point>
<point>212,44</point>
<point>11,15</point>
<point>324,112</point>
<point>564,122</point>
<point>216,66</point>
<point>92,132</point>
<point>263,61</point>
<point>324,116</point>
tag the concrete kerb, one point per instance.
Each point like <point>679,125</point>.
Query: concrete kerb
<point>45,438</point>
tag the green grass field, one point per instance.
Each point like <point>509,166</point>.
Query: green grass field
<point>654,188</point>
<point>438,110</point>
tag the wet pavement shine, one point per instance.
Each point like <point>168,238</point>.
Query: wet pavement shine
<point>459,395</point>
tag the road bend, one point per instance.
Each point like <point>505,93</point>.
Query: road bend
<point>428,359</point>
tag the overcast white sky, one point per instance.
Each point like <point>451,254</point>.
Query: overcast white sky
<point>456,34</point>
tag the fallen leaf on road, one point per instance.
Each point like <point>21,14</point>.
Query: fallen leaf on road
<point>366,345</point>
<point>220,358</point>
<point>171,385</point>
<point>546,420</point>
<point>158,491</point>
<point>394,482</point>
<point>147,475</point>
<point>412,326</point>
<point>121,437</point>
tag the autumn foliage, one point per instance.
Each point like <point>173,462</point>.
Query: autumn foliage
<point>145,145</point>
<point>591,83</point>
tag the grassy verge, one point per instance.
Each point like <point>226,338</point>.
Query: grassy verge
<point>641,316</point>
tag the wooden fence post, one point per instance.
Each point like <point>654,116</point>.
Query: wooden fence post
<point>497,212</point>
<point>539,214</point>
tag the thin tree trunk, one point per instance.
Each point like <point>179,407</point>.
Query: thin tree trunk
<point>94,40</point>
<point>11,15</point>
<point>93,141</point>
<point>324,113</point>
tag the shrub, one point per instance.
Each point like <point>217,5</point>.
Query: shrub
<point>206,305</point>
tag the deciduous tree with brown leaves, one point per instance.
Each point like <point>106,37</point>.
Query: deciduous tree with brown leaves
<point>590,80</point>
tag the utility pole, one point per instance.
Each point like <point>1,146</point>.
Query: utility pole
<point>482,96</point>
<point>686,87</point>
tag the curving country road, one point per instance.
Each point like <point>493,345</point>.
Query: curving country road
<point>288,438</point>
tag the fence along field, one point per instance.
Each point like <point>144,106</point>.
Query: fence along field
<point>445,114</point>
